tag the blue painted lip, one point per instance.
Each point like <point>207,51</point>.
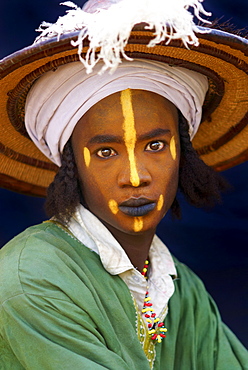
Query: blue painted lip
<point>137,211</point>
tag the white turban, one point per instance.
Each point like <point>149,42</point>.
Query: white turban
<point>60,98</point>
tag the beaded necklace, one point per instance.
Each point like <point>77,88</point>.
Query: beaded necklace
<point>156,328</point>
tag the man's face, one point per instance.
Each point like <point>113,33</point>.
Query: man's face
<point>127,153</point>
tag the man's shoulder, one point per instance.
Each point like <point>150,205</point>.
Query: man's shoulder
<point>44,235</point>
<point>187,282</point>
<point>37,254</point>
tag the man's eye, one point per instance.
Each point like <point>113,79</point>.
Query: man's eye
<point>155,146</point>
<point>106,153</point>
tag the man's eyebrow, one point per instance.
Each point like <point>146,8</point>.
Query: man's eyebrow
<point>153,133</point>
<point>101,139</point>
<point>107,138</point>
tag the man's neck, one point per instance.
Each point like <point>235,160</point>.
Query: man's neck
<point>136,246</point>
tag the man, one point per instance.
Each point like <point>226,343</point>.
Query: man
<point>91,287</point>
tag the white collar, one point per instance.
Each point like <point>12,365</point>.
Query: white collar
<point>93,234</point>
<point>88,228</point>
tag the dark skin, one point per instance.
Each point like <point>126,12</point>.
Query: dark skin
<point>127,152</point>
<point>136,246</point>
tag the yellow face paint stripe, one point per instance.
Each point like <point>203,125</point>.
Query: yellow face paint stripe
<point>113,206</point>
<point>138,224</point>
<point>86,156</point>
<point>129,134</point>
<point>160,202</point>
<point>173,149</point>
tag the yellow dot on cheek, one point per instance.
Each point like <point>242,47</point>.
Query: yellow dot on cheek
<point>113,206</point>
<point>86,156</point>
<point>160,202</point>
<point>173,149</point>
<point>138,224</point>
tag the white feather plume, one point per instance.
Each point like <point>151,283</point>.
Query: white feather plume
<point>108,30</point>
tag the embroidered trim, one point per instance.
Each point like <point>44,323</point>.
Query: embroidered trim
<point>147,344</point>
<point>67,231</point>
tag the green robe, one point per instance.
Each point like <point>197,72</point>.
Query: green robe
<point>60,309</point>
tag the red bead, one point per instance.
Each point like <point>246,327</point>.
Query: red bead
<point>153,315</point>
<point>149,325</point>
<point>147,304</point>
<point>162,335</point>
<point>146,315</point>
<point>160,324</point>
<point>154,336</point>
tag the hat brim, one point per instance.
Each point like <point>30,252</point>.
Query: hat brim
<point>221,140</point>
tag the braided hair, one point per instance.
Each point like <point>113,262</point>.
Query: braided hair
<point>64,194</point>
<point>199,183</point>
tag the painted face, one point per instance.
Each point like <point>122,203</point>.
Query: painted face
<point>127,153</point>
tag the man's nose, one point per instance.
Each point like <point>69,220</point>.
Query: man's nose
<point>133,174</point>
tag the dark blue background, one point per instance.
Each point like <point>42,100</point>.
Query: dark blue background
<point>213,243</point>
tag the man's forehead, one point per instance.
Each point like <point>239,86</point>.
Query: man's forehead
<point>136,96</point>
<point>148,109</point>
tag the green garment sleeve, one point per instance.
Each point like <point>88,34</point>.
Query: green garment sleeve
<point>52,334</point>
<point>197,338</point>
<point>60,309</point>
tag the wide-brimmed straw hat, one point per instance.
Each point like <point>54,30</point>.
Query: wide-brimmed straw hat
<point>221,140</point>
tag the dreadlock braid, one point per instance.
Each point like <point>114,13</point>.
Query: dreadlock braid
<point>199,183</point>
<point>63,194</point>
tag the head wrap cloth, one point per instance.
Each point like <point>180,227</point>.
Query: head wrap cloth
<point>60,98</point>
